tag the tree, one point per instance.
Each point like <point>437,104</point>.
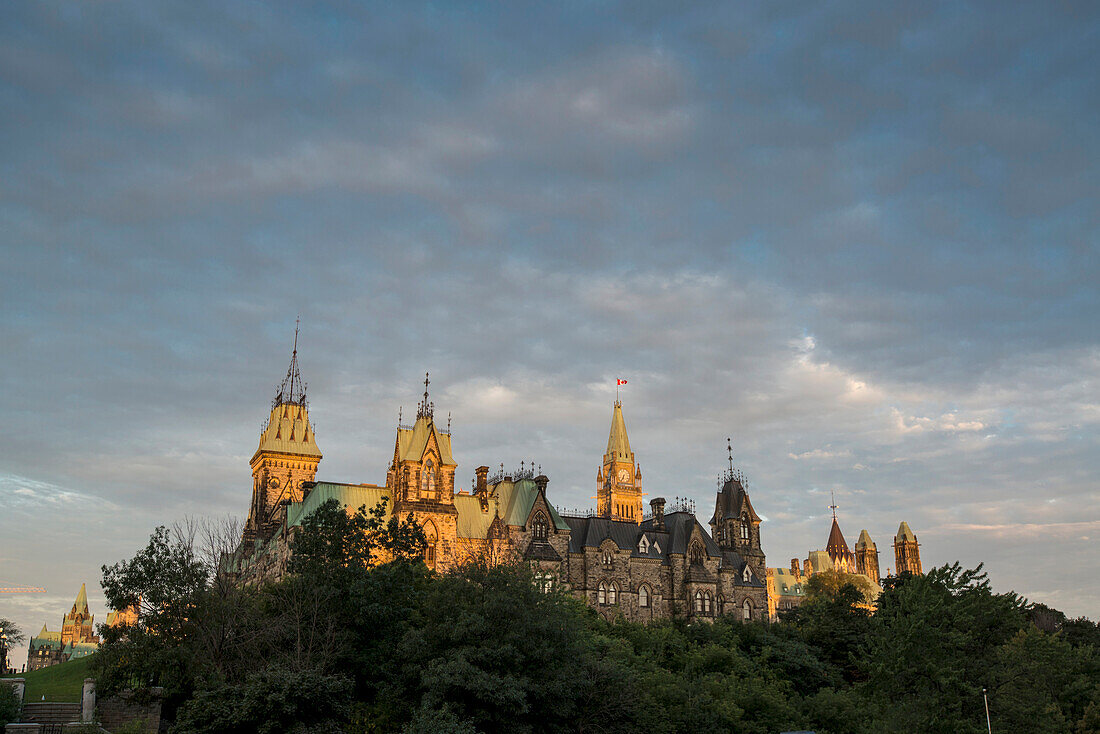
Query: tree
<point>10,636</point>
<point>933,645</point>
<point>835,620</point>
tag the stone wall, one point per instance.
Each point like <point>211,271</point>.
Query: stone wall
<point>118,710</point>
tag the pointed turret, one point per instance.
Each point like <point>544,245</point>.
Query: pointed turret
<point>867,556</point>
<point>80,606</point>
<point>287,456</point>
<point>618,445</point>
<point>837,548</point>
<point>619,482</point>
<point>907,551</point>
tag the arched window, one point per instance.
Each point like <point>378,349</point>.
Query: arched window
<point>643,596</point>
<point>699,602</point>
<point>544,581</point>
<point>745,534</point>
<point>431,538</point>
<point>613,594</point>
<point>427,480</point>
<point>696,553</point>
<point>608,557</point>
<point>601,594</point>
<point>539,527</point>
<point>746,610</point>
<point>721,605</point>
<point>706,603</point>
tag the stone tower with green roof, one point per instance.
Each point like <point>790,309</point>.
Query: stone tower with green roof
<point>619,480</point>
<point>286,460</point>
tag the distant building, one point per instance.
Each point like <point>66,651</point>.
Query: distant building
<point>75,640</point>
<point>786,587</point>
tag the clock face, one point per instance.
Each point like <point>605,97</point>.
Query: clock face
<point>624,475</point>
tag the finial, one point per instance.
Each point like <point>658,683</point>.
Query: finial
<point>425,409</point>
<point>448,421</point>
<point>729,450</point>
<point>833,506</point>
<point>297,322</point>
<point>292,390</point>
<point>400,409</point>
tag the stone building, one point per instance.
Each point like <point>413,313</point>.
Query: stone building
<point>786,587</point>
<point>75,640</point>
<point>619,561</point>
<point>906,551</point>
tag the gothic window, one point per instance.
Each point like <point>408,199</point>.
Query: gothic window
<point>643,546</point>
<point>696,553</point>
<point>745,527</point>
<point>431,539</point>
<point>747,575</point>
<point>699,602</point>
<point>643,596</point>
<point>544,581</point>
<point>539,527</point>
<point>608,558</point>
<point>601,594</point>
<point>706,603</point>
<point>746,610</point>
<point>612,594</point>
<point>721,605</point>
<point>427,480</point>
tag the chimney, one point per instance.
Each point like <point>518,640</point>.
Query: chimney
<point>481,484</point>
<point>657,506</point>
<point>540,483</point>
<point>795,569</point>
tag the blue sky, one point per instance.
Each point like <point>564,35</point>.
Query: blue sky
<point>860,240</point>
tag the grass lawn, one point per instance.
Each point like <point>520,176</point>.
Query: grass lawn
<point>59,683</point>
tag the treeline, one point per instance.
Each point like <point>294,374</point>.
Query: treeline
<point>339,646</point>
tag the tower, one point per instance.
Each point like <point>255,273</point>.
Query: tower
<point>287,456</point>
<point>837,547</point>
<point>619,480</point>
<point>78,624</point>
<point>906,551</point>
<point>867,556</point>
<point>735,524</point>
<point>421,482</point>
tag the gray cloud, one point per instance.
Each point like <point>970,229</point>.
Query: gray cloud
<point>860,241</point>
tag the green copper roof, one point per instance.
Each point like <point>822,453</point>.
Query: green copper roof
<point>81,603</point>
<point>786,583</point>
<point>348,495</point>
<point>618,445</point>
<point>516,499</point>
<point>472,521</point>
<point>411,442</point>
<point>821,561</point>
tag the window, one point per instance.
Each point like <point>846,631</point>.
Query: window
<point>544,581</point>
<point>745,527</point>
<point>747,575</point>
<point>613,594</point>
<point>706,603</point>
<point>746,610</point>
<point>427,480</point>
<point>539,527</point>
<point>643,596</point>
<point>699,601</point>
<point>608,557</point>
<point>601,594</point>
<point>696,553</point>
<point>430,539</point>
<point>721,604</point>
<point>643,545</point>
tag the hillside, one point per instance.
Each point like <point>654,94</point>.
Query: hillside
<point>59,683</point>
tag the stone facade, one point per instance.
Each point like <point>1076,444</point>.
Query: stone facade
<point>622,563</point>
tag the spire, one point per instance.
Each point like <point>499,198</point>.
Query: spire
<point>80,606</point>
<point>864,541</point>
<point>292,390</point>
<point>425,409</point>
<point>833,506</point>
<point>836,545</point>
<point>905,534</point>
<point>618,445</point>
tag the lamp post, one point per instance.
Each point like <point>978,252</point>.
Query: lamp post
<point>988,725</point>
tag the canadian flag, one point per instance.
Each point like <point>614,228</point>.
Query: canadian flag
<point>619,382</point>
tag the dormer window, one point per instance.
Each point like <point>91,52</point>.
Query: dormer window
<point>427,480</point>
<point>747,575</point>
<point>643,546</point>
<point>696,553</point>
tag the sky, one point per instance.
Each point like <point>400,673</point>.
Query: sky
<point>860,240</point>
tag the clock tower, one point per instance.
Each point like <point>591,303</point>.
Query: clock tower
<point>619,481</point>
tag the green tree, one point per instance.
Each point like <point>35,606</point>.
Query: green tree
<point>934,644</point>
